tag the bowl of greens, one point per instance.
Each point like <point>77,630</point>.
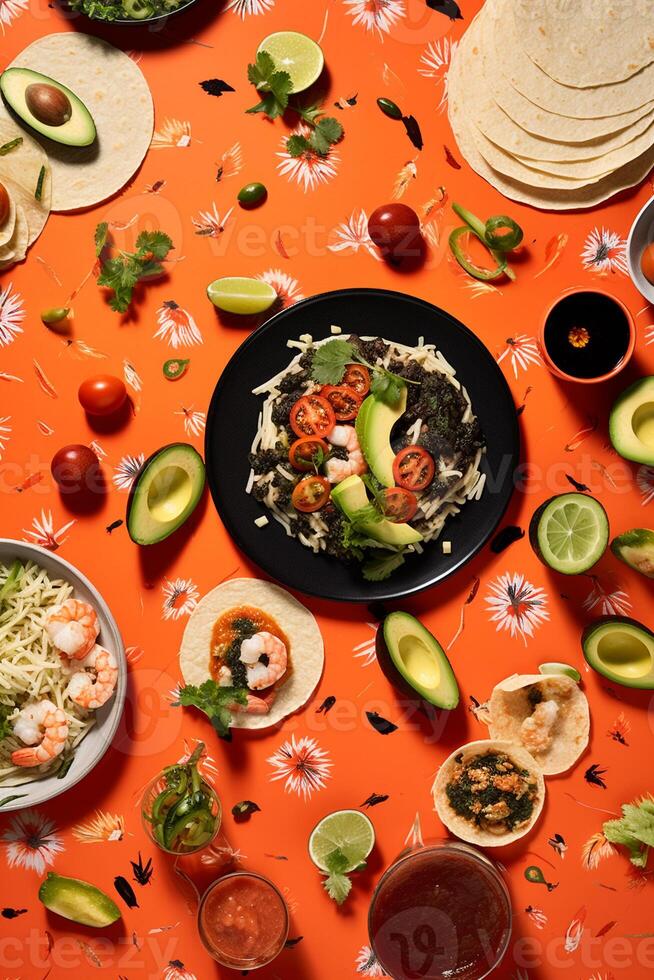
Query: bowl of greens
<point>129,11</point>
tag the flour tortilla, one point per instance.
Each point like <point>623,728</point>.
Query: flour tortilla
<point>516,190</point>
<point>590,43</point>
<point>116,94</point>
<point>19,172</point>
<point>524,75</point>
<point>16,248</point>
<point>509,706</point>
<point>306,644</point>
<point>8,225</point>
<point>465,829</point>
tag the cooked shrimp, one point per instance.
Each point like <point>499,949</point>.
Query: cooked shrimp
<point>263,672</point>
<point>339,469</point>
<point>537,731</point>
<point>89,692</point>
<point>255,705</point>
<point>44,728</point>
<point>73,628</point>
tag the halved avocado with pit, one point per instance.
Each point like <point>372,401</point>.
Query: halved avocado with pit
<point>414,661</point>
<point>622,650</point>
<point>78,901</point>
<point>165,493</point>
<point>49,107</point>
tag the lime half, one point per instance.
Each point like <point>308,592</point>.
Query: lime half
<point>296,54</point>
<point>557,668</point>
<point>570,532</point>
<point>236,294</point>
<point>348,831</point>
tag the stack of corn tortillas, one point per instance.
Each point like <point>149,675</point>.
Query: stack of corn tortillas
<point>21,163</point>
<point>553,102</point>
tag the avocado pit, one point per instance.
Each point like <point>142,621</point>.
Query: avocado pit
<point>48,104</point>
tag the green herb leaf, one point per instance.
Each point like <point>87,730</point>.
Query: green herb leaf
<point>378,569</point>
<point>121,272</point>
<point>387,387</point>
<point>101,233</point>
<point>156,243</point>
<point>215,701</point>
<point>264,75</point>
<point>297,145</point>
<point>330,360</point>
<point>634,830</point>
<point>338,887</point>
<point>259,73</point>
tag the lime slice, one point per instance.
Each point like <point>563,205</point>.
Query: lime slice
<point>236,294</point>
<point>296,54</point>
<point>570,532</point>
<point>556,668</point>
<point>349,831</point>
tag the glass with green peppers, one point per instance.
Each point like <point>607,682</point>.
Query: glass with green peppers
<point>180,810</point>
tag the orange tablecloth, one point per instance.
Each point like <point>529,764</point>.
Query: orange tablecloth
<point>309,238</point>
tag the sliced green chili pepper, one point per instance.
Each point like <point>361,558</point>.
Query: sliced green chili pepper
<point>181,817</point>
<point>11,145</point>
<point>474,270</point>
<point>389,108</point>
<point>175,368</point>
<point>11,582</point>
<point>535,875</point>
<point>508,239</point>
<point>476,225</point>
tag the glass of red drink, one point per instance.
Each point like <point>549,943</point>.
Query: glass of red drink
<point>243,920</point>
<point>440,911</point>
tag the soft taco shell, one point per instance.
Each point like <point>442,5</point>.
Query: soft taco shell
<point>509,708</point>
<point>8,225</point>
<point>112,87</point>
<point>465,829</point>
<point>306,644</point>
<point>19,172</point>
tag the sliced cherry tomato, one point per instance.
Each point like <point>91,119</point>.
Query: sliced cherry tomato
<point>307,452</point>
<point>345,401</point>
<point>413,468</point>
<point>312,415</point>
<point>400,505</point>
<point>358,377</point>
<point>311,494</point>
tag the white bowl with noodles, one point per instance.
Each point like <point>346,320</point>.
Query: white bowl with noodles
<point>640,236</point>
<point>95,743</point>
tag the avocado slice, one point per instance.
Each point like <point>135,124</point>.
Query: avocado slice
<point>49,107</point>
<point>636,549</point>
<point>165,493</point>
<point>622,650</point>
<point>373,427</point>
<point>350,495</point>
<point>631,423</point>
<point>414,661</point>
<point>78,901</point>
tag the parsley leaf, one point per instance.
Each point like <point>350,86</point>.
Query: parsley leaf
<point>634,830</point>
<point>327,131</point>
<point>122,272</point>
<point>156,243</point>
<point>101,233</point>
<point>337,884</point>
<point>296,145</point>
<point>215,701</point>
<point>378,569</point>
<point>265,77</point>
<point>330,360</point>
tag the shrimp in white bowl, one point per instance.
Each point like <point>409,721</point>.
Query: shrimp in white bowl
<point>43,728</point>
<point>94,682</point>
<point>73,628</point>
<point>337,470</point>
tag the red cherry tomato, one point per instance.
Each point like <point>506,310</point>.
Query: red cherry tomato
<point>413,468</point>
<point>399,505</point>
<point>75,468</point>
<point>4,204</point>
<point>312,415</point>
<point>344,401</point>
<point>357,377</point>
<point>311,494</point>
<point>102,395</point>
<point>647,263</point>
<point>395,229</point>
<point>307,452</point>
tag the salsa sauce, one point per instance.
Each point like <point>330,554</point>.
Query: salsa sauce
<point>438,914</point>
<point>234,626</point>
<point>587,335</point>
<point>243,921</point>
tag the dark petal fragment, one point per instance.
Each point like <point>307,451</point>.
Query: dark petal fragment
<point>381,725</point>
<point>413,131</point>
<point>507,536</point>
<point>327,705</point>
<point>375,799</point>
<point>216,86</point>
<point>243,811</point>
<point>581,487</point>
<point>447,7</point>
<point>125,891</point>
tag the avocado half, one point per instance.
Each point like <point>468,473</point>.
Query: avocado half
<point>78,901</point>
<point>350,496</point>
<point>373,426</point>
<point>49,107</point>
<point>414,661</point>
<point>165,493</point>
<point>636,549</point>
<point>631,422</point>
<point>620,649</point>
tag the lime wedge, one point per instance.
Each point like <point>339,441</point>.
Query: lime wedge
<point>296,54</point>
<point>236,294</point>
<point>569,533</point>
<point>348,831</point>
<point>556,668</point>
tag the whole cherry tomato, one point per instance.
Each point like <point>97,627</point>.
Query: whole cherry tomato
<point>75,468</point>
<point>395,229</point>
<point>102,394</point>
<point>4,204</point>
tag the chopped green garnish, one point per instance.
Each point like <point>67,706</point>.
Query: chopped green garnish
<point>122,272</point>
<point>38,193</point>
<point>215,701</point>
<point>11,145</point>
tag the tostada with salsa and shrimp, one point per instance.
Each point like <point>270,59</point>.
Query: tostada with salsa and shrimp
<point>364,448</point>
<point>251,654</point>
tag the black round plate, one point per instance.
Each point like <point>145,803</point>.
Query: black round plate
<point>232,422</point>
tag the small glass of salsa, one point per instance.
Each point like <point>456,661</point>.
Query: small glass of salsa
<point>588,336</point>
<point>440,911</point>
<point>243,921</point>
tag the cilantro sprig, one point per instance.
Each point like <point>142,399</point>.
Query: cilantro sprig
<point>275,86</point>
<point>337,884</point>
<point>122,271</point>
<point>634,830</point>
<point>215,701</point>
<point>330,361</point>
